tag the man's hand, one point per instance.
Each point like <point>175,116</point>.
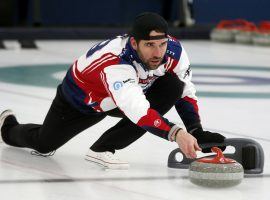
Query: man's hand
<point>187,143</point>
<point>208,137</point>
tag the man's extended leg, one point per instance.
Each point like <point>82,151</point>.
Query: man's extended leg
<point>162,96</point>
<point>61,124</point>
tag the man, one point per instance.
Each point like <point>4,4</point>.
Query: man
<point>138,77</point>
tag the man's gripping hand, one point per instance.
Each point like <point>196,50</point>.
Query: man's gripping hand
<point>208,137</point>
<point>187,143</point>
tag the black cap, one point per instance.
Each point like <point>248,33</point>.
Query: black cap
<point>146,22</point>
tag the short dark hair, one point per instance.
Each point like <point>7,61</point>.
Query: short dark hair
<point>146,22</point>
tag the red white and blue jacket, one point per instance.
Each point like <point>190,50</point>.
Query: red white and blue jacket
<point>111,75</point>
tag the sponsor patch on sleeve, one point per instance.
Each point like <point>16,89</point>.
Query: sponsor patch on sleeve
<point>117,85</point>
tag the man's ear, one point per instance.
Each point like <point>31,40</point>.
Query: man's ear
<point>133,43</point>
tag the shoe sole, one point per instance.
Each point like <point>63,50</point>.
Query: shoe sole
<point>107,164</point>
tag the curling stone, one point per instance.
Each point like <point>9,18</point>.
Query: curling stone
<point>245,34</point>
<point>226,30</point>
<point>216,171</point>
<point>262,37</point>
<point>222,35</point>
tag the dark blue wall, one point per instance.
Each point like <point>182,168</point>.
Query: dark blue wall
<point>212,11</point>
<point>94,12</point>
<point>122,12</point>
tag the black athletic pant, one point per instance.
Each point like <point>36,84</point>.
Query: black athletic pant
<point>63,122</point>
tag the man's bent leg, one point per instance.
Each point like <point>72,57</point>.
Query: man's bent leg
<point>162,96</point>
<point>61,124</point>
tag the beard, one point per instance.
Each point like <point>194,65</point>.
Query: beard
<point>151,63</point>
<point>154,63</point>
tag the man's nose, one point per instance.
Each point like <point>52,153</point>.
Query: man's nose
<point>157,52</point>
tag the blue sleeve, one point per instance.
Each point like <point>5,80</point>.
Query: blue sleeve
<point>187,109</point>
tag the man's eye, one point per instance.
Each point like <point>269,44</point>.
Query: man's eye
<point>163,44</point>
<point>148,44</point>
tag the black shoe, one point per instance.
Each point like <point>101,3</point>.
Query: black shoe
<point>3,117</point>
